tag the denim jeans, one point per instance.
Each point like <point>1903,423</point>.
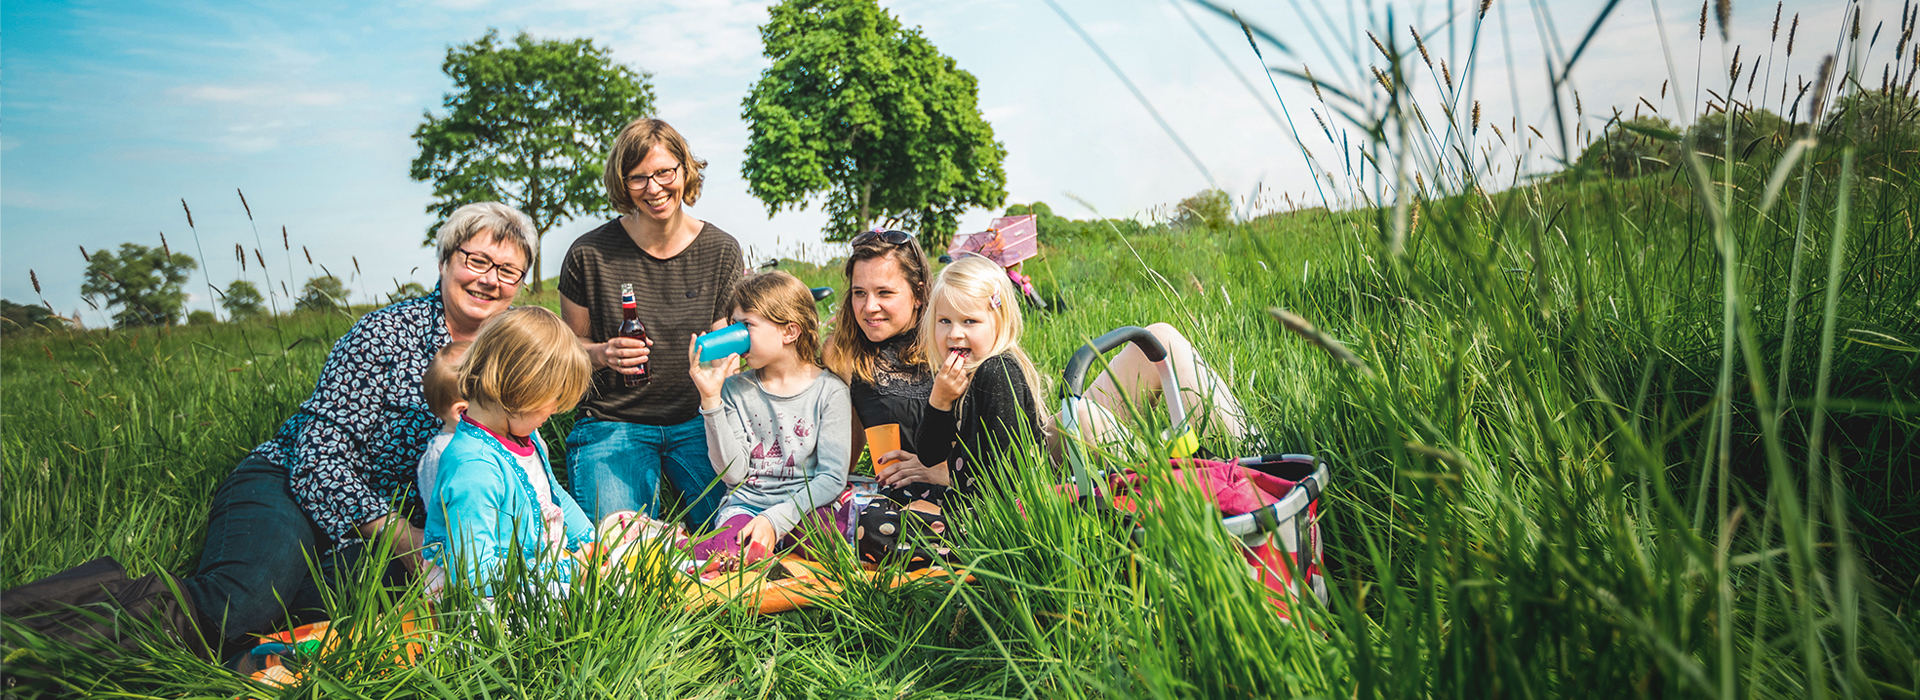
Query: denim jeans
<point>254,574</point>
<point>614,465</point>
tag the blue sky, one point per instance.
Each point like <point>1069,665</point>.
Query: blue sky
<point>112,112</point>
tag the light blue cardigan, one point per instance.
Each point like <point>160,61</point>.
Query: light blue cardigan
<point>482,504</point>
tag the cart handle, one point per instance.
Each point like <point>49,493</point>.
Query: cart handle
<point>1076,375</point>
<point>1072,405</point>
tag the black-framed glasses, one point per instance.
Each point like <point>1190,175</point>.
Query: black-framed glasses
<point>887,237</point>
<point>479,264</point>
<point>662,178</point>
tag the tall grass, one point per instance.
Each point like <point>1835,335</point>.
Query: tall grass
<point>1617,437</point>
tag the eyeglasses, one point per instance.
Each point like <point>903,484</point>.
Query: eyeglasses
<point>479,264</point>
<point>662,178</point>
<point>887,237</point>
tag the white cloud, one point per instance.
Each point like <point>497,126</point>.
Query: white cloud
<point>261,94</point>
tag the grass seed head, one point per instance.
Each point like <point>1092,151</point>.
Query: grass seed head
<point>163,244</point>
<point>1476,116</point>
<point>243,203</point>
<point>1484,6</point>
<point>35,276</point>
<point>1703,20</point>
<point>1792,31</point>
<point>309,254</point>
<point>183,207</point>
<point>283,239</point>
<point>1421,45</point>
<point>257,257</point>
<point>1723,15</point>
<point>84,255</point>
<point>1777,8</point>
<point>1820,89</point>
<point>241,254</point>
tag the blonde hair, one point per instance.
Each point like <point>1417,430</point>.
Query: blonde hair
<point>441,383</point>
<point>977,285</point>
<point>848,352</point>
<point>523,359</point>
<point>782,298</point>
<point>631,146</point>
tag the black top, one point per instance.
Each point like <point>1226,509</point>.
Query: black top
<point>996,413</point>
<point>897,393</point>
<point>678,297</point>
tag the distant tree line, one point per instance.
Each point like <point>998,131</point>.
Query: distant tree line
<point>1877,123</point>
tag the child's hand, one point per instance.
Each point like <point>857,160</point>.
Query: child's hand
<point>757,539</point>
<point>710,376</point>
<point>950,383</point>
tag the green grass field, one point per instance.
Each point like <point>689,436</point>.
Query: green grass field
<point>1643,437</point>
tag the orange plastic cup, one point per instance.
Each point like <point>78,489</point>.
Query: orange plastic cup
<point>882,439</point>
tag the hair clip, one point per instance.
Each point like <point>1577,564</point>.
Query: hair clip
<point>994,299</point>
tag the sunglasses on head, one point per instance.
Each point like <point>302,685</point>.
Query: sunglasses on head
<point>887,237</point>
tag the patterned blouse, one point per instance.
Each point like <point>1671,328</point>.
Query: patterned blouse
<point>354,445</point>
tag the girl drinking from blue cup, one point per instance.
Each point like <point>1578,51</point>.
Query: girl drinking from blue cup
<point>779,433</point>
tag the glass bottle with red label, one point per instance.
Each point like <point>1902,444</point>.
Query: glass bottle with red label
<point>631,327</point>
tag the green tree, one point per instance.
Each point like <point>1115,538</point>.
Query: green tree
<point>870,114</point>
<point>144,282</point>
<point>1756,132</point>
<point>1876,122</point>
<point>1209,208</point>
<point>1631,147</point>
<point>410,290</point>
<point>528,124</point>
<point>201,317</point>
<point>243,300</point>
<point>27,316</point>
<point>325,293</point>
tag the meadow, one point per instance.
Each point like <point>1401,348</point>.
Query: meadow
<point>1637,436</point>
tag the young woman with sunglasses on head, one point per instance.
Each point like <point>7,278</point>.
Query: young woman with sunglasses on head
<point>875,347</point>
<point>625,438</point>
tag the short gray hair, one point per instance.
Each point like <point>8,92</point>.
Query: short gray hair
<point>506,224</point>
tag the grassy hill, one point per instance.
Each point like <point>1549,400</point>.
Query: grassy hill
<point>1555,473</point>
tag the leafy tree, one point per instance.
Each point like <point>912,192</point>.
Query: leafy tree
<point>529,124</point>
<point>1755,132</point>
<point>1632,147</point>
<point>201,317</point>
<point>324,293</point>
<point>27,316</point>
<point>242,300</point>
<point>1209,208</point>
<point>871,115</point>
<point>410,290</point>
<point>1875,122</point>
<point>144,282</point>
<point>1057,230</point>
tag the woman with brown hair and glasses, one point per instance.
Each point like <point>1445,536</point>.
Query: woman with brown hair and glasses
<point>629,432</point>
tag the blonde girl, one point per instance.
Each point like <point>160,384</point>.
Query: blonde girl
<point>495,493</point>
<point>779,435</point>
<point>986,392</point>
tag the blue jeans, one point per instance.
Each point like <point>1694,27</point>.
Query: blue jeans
<point>614,465</point>
<point>254,574</point>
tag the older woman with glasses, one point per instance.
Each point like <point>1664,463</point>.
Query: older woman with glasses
<point>628,434</point>
<point>326,486</point>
